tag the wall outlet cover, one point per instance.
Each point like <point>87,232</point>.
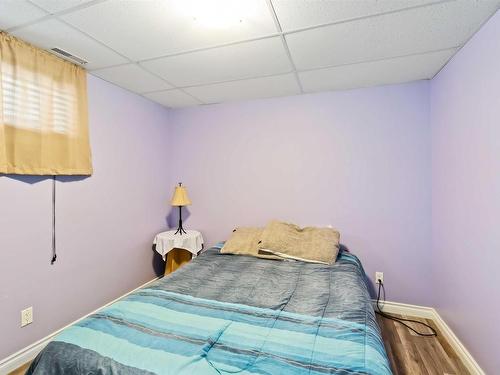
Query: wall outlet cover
<point>26,316</point>
<point>379,276</point>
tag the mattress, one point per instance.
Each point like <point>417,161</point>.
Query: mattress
<point>228,314</point>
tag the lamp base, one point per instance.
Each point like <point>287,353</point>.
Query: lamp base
<point>180,230</point>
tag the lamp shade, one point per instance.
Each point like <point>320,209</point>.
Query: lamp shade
<point>180,197</point>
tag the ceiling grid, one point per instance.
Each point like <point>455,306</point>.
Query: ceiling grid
<point>179,56</point>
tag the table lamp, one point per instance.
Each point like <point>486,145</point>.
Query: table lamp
<point>179,199</point>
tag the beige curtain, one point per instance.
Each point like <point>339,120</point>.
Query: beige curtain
<point>43,112</point>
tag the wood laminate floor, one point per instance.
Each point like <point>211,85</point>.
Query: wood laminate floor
<point>21,370</point>
<point>408,353</point>
<point>416,355</point>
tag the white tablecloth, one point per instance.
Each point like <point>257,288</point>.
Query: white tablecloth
<point>192,241</point>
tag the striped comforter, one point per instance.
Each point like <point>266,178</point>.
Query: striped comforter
<point>224,314</point>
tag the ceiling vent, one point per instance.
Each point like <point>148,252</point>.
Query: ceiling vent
<point>68,56</point>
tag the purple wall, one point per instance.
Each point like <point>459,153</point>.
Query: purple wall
<point>105,223</point>
<point>358,160</point>
<point>465,119</point>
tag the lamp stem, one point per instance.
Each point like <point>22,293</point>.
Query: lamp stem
<point>180,229</point>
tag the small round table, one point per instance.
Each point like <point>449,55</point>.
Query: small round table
<point>178,248</point>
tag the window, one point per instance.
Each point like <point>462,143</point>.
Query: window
<point>31,106</point>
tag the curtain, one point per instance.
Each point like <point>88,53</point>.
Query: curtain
<point>43,112</point>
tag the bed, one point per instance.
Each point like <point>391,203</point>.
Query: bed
<point>230,314</point>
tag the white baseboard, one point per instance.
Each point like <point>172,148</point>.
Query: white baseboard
<point>27,354</point>
<point>444,329</point>
<point>456,344</point>
<point>406,309</point>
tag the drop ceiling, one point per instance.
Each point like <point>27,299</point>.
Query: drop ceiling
<point>191,52</point>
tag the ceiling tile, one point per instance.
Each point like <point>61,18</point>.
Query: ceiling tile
<point>148,29</point>
<point>383,72</point>
<point>431,28</point>
<point>17,12</point>
<point>53,33</point>
<point>244,60</point>
<point>172,98</point>
<point>54,6</point>
<point>265,87</point>
<point>296,14</point>
<point>132,77</point>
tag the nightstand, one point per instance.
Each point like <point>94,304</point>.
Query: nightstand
<point>178,249</point>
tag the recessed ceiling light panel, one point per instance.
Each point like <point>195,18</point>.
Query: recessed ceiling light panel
<point>217,14</point>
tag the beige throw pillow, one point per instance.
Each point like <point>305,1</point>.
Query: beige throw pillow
<point>310,244</point>
<point>245,241</point>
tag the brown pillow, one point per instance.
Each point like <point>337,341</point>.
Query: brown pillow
<point>310,244</point>
<point>245,241</point>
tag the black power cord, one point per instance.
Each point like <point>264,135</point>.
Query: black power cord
<point>401,320</point>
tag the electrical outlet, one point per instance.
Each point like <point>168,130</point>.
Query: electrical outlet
<point>379,276</point>
<point>26,316</point>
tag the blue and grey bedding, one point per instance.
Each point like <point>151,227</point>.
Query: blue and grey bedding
<point>230,314</point>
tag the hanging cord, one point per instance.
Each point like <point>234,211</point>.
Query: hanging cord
<point>54,255</point>
<point>402,320</point>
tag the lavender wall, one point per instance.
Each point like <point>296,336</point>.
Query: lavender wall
<point>465,118</point>
<point>358,160</point>
<point>105,222</point>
